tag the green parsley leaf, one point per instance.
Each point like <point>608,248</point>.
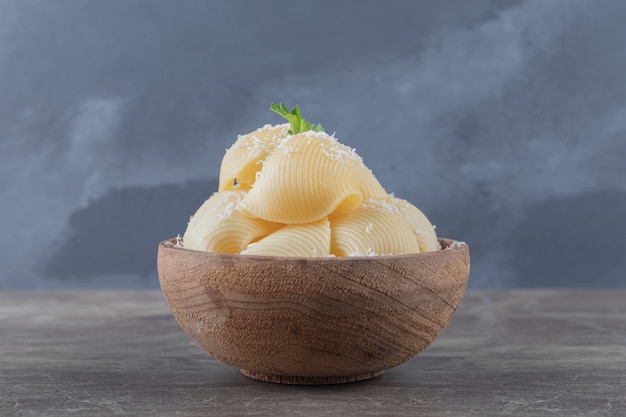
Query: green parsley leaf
<point>295,119</point>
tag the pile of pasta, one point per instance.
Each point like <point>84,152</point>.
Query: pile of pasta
<point>303,195</point>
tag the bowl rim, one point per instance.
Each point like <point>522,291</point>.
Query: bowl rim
<point>447,245</point>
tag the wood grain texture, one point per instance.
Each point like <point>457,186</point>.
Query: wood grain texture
<point>313,320</point>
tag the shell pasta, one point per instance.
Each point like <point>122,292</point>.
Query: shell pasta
<point>218,226</point>
<point>308,177</point>
<point>309,240</point>
<point>245,158</point>
<point>374,228</point>
<point>421,226</point>
<point>293,190</point>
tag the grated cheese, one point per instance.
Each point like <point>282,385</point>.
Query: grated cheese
<point>368,252</point>
<point>381,206</point>
<point>285,148</point>
<point>456,244</point>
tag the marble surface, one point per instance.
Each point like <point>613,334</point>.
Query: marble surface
<point>518,353</point>
<point>503,120</point>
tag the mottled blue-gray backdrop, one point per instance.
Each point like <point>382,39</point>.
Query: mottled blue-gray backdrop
<point>505,121</point>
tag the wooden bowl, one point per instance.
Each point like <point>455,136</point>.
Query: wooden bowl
<point>313,320</point>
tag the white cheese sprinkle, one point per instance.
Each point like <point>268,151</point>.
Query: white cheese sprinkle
<point>381,206</point>
<point>456,244</point>
<point>368,252</point>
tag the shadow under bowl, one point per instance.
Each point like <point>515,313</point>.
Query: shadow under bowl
<point>313,320</point>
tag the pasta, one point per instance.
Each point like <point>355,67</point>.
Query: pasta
<point>218,226</point>
<point>421,226</point>
<point>309,240</point>
<point>245,158</point>
<point>374,228</point>
<point>308,177</point>
<point>293,190</point>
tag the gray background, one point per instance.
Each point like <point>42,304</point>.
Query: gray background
<point>504,121</point>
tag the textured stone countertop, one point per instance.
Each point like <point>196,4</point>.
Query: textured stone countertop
<point>514,352</point>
